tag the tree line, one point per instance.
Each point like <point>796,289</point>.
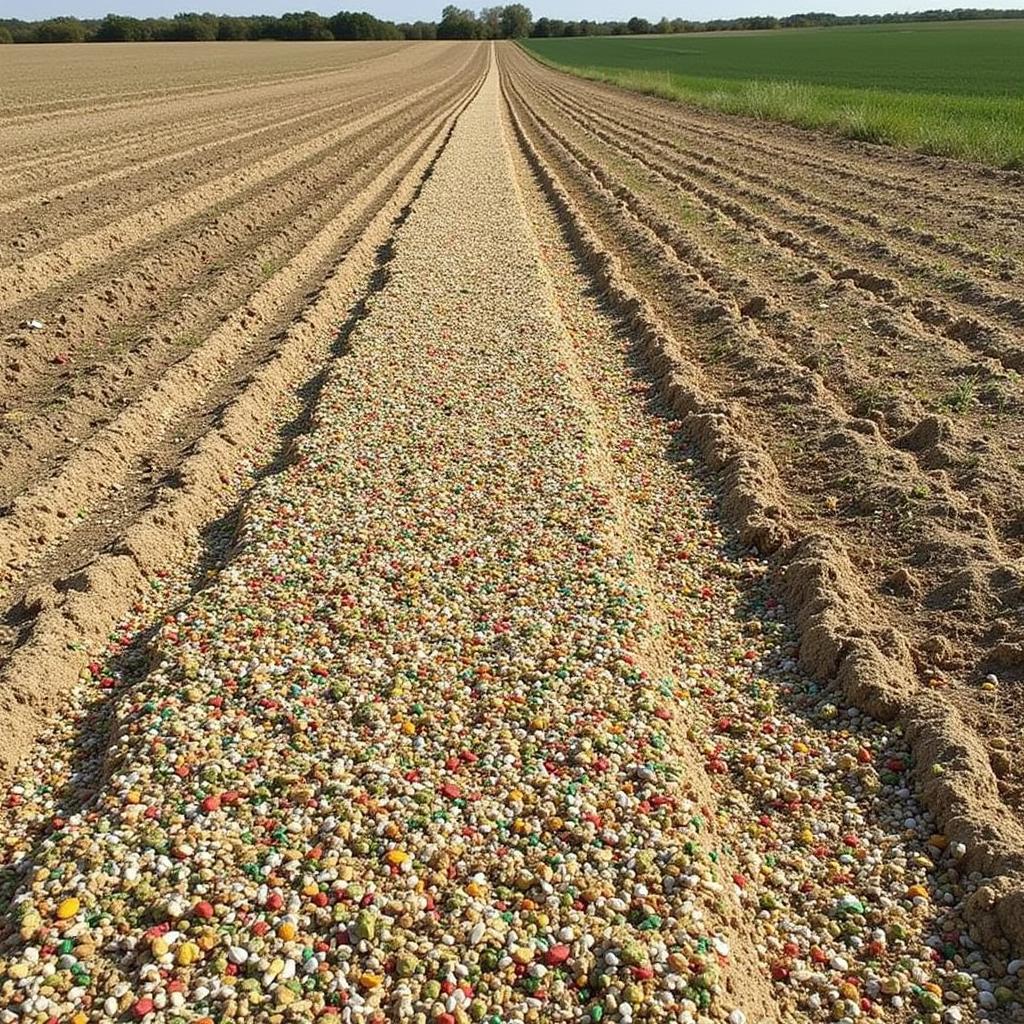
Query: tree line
<point>552,27</point>
<point>193,27</point>
<point>513,21</point>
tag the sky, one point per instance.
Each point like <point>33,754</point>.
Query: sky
<point>430,10</point>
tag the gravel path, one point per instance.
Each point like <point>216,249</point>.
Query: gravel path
<point>431,747</point>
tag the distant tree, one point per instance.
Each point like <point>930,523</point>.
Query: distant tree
<point>61,30</point>
<point>490,19</point>
<point>516,21</point>
<point>231,28</point>
<point>305,26</point>
<point>119,28</point>
<point>5,35</point>
<point>361,25</point>
<point>417,30</point>
<point>458,24</point>
<point>188,27</point>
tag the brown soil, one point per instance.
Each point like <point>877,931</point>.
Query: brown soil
<point>840,325</point>
<point>187,304</point>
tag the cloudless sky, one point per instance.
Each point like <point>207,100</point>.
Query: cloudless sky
<point>430,10</point>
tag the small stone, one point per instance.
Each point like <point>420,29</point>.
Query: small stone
<point>365,926</point>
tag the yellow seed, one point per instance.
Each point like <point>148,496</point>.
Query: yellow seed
<point>188,954</point>
<point>368,980</point>
<point>396,857</point>
<point>68,908</point>
<point>286,931</point>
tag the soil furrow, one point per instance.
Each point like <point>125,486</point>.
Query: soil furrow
<point>739,156</point>
<point>196,158</point>
<point>121,100</point>
<point>76,612</point>
<point>699,172</point>
<point>800,320</point>
<point>882,678</point>
<point>45,270</point>
<point>131,143</point>
<point>839,167</point>
<point>736,344</point>
<point>171,322</point>
<point>39,517</point>
<point>220,131</point>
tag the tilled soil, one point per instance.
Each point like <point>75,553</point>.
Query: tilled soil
<point>190,258</point>
<point>482,704</point>
<point>852,317</point>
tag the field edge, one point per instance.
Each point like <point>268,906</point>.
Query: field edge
<point>853,114</point>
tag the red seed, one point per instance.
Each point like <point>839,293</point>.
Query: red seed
<point>556,955</point>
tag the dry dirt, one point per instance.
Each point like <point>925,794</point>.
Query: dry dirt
<point>836,326</point>
<point>169,248</point>
<point>851,317</point>
<point>192,250</point>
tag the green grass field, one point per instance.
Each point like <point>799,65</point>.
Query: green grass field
<point>948,88</point>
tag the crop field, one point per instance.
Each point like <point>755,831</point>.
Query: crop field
<point>481,544</point>
<point>954,88</point>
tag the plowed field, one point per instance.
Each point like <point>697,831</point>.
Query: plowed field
<point>483,545</point>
